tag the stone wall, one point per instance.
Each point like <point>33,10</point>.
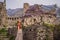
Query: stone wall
<point>37,32</point>
<point>49,19</point>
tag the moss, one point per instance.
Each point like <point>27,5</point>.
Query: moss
<point>50,26</point>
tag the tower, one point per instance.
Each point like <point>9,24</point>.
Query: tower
<point>26,6</point>
<point>3,14</point>
<point>4,3</point>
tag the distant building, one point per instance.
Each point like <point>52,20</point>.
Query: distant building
<point>5,19</point>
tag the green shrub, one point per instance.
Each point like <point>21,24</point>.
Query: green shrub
<point>50,26</point>
<point>3,31</point>
<point>12,37</point>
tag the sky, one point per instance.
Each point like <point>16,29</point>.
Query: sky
<point>12,4</point>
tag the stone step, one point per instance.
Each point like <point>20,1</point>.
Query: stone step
<point>4,38</point>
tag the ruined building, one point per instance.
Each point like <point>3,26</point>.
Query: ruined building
<point>31,14</point>
<point>38,14</point>
<point>33,19</point>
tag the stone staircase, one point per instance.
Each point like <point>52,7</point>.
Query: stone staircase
<point>3,37</point>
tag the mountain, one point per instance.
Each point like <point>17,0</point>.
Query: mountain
<point>19,11</point>
<point>15,12</point>
<point>49,7</point>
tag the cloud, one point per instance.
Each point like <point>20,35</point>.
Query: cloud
<point>18,0</point>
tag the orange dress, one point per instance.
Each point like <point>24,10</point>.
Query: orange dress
<point>19,25</point>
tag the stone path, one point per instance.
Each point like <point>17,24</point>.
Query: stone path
<point>19,35</point>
